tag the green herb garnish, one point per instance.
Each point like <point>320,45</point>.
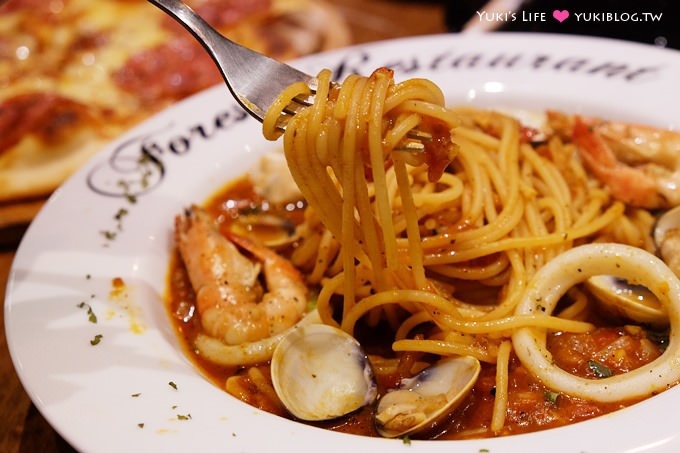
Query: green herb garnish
<point>599,370</point>
<point>550,397</point>
<point>109,235</point>
<point>90,313</point>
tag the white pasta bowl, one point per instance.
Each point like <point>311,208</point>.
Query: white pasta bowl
<point>136,389</point>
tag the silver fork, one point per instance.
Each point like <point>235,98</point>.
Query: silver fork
<point>255,80</point>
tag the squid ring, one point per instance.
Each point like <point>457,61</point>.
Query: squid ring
<point>572,267</point>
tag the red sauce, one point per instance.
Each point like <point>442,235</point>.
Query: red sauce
<point>534,407</point>
<point>531,406</point>
<point>438,151</point>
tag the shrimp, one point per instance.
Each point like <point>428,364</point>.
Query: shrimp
<point>639,164</point>
<point>233,304</point>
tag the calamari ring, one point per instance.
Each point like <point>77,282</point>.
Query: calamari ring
<point>575,266</point>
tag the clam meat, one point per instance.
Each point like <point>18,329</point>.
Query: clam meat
<point>428,397</point>
<point>320,372</point>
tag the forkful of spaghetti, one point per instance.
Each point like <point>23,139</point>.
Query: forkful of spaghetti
<point>274,92</point>
<point>341,138</point>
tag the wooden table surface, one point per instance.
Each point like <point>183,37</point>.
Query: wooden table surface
<point>22,427</point>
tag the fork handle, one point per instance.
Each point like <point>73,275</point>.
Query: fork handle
<point>249,74</point>
<point>222,49</point>
<point>186,16</point>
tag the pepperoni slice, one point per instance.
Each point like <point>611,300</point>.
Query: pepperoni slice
<point>48,116</point>
<point>168,72</point>
<point>180,67</point>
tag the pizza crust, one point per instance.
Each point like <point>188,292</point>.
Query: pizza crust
<point>29,174</point>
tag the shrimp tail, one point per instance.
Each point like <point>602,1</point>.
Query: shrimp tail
<point>272,261</point>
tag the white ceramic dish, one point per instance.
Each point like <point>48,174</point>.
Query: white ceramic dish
<point>135,390</point>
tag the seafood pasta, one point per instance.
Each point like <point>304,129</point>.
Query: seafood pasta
<point>481,264</point>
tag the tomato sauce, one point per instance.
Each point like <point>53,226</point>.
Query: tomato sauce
<point>531,406</point>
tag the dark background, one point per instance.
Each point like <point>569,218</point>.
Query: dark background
<point>662,33</point>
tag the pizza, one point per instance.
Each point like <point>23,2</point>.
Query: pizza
<point>75,74</point>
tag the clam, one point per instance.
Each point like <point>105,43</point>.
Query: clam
<point>620,299</point>
<point>667,238</point>
<point>427,398</point>
<point>320,372</point>
<point>271,230</point>
<point>272,181</point>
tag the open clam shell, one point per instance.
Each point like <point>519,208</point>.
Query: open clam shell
<point>428,397</point>
<point>623,300</point>
<point>667,238</point>
<point>270,230</point>
<point>620,299</point>
<point>320,372</point>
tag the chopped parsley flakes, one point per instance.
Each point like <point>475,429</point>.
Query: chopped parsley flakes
<point>97,339</point>
<point>550,397</point>
<point>90,313</point>
<point>599,370</point>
